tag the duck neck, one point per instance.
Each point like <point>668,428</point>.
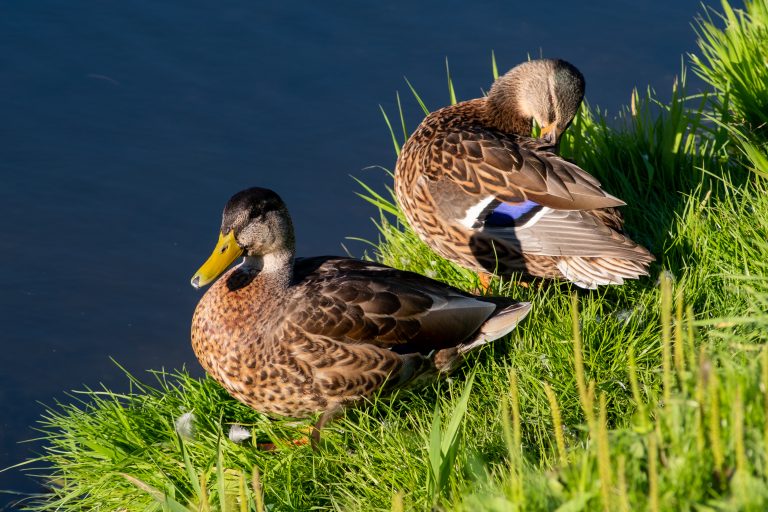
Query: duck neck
<point>275,266</point>
<point>501,113</point>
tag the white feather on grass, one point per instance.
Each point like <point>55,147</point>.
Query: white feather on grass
<point>238,433</point>
<point>184,425</point>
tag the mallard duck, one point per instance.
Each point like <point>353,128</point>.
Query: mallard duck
<point>295,337</point>
<point>481,192</point>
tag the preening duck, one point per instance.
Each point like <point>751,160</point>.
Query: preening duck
<point>481,192</point>
<point>294,337</point>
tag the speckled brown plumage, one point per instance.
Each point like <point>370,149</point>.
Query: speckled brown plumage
<point>467,162</point>
<point>293,338</point>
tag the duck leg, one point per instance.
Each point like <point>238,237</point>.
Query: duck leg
<point>326,417</point>
<point>485,282</point>
<point>270,447</point>
<point>302,440</point>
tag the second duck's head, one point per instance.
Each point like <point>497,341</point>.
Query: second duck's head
<point>548,91</point>
<point>256,223</point>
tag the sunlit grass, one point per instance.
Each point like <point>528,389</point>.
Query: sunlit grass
<point>652,395</point>
<point>733,62</point>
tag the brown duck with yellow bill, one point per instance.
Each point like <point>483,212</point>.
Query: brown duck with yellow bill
<point>313,335</point>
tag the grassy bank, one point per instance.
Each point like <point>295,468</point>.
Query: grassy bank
<point>651,395</point>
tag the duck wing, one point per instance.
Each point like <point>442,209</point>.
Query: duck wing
<point>548,232</point>
<point>360,302</point>
<point>357,325</point>
<point>485,162</point>
<point>515,192</point>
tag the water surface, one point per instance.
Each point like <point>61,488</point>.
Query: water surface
<point>125,126</point>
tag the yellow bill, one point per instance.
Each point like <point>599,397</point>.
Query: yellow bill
<point>225,252</point>
<point>549,133</point>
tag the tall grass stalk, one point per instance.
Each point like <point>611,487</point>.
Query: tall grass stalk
<point>585,394</point>
<point>603,455</point>
<point>557,425</point>
<point>666,336</point>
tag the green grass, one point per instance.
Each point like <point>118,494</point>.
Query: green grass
<point>653,396</point>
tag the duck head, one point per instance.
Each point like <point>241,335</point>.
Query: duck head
<point>546,90</point>
<point>255,223</point>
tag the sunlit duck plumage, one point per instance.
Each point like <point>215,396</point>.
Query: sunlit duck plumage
<point>293,337</point>
<point>481,192</point>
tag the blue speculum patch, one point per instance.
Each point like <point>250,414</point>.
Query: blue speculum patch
<point>507,213</point>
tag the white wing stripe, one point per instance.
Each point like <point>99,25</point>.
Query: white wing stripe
<point>470,217</point>
<point>533,220</point>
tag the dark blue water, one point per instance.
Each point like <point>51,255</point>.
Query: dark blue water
<point>125,126</point>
